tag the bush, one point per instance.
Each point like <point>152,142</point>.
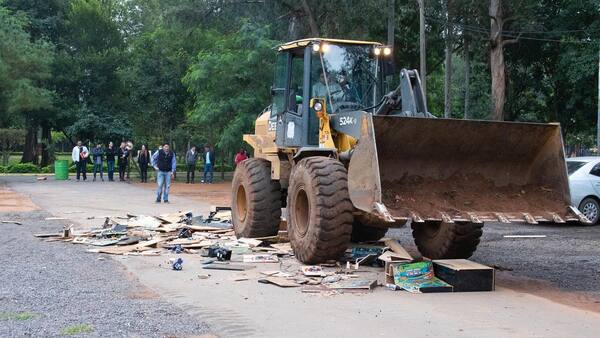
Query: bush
<point>89,168</point>
<point>2,169</point>
<point>23,168</point>
<point>48,170</point>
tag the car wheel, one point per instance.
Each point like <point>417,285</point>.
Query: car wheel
<point>591,209</point>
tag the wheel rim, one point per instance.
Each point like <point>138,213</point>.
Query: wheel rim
<point>301,212</point>
<point>590,210</point>
<point>241,203</point>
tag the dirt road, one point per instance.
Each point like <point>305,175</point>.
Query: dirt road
<point>566,261</point>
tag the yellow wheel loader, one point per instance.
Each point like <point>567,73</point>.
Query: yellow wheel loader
<point>349,159</point>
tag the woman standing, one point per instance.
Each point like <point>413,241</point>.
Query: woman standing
<point>143,162</point>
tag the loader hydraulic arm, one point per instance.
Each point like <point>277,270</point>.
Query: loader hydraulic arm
<point>407,99</point>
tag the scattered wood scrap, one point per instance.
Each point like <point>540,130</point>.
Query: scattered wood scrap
<point>12,222</point>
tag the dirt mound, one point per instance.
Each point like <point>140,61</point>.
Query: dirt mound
<point>467,193</point>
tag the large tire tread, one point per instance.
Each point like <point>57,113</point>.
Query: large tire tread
<point>263,198</point>
<point>330,220</point>
<point>452,241</point>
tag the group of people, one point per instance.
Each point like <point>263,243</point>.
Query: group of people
<point>191,159</point>
<point>163,161</point>
<point>81,155</point>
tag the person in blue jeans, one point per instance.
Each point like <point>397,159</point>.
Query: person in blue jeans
<point>165,164</point>
<point>209,161</point>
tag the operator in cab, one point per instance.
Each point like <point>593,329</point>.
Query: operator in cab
<point>319,90</point>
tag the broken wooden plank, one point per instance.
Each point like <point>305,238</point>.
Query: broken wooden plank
<point>12,222</point>
<point>279,281</point>
<point>260,258</point>
<point>232,267</point>
<point>364,284</point>
<point>48,235</point>
<point>395,246</point>
<point>251,242</point>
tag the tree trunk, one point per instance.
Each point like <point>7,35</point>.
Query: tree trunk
<point>448,64</point>
<point>497,60</point>
<point>391,23</point>
<point>29,149</point>
<point>47,156</point>
<point>293,26</point>
<point>467,76</point>
<point>312,24</point>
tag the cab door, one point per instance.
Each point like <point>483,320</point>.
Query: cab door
<point>287,91</point>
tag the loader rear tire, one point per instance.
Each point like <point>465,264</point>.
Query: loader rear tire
<point>438,240</point>
<point>319,210</point>
<point>365,233</point>
<point>256,200</point>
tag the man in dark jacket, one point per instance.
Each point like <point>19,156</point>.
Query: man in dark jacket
<point>209,162</point>
<point>97,157</point>
<point>123,157</point>
<point>191,157</point>
<point>165,164</point>
<point>110,160</point>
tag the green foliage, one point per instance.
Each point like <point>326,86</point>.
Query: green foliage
<point>24,65</point>
<point>229,82</point>
<point>197,71</point>
<point>10,139</point>
<point>47,169</point>
<point>23,168</point>
<point>89,168</point>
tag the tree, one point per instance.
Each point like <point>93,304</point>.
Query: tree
<point>244,62</point>
<point>498,18</point>
<point>10,140</point>
<point>24,68</point>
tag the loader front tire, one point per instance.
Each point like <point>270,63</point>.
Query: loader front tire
<point>319,210</point>
<point>439,240</point>
<point>255,200</point>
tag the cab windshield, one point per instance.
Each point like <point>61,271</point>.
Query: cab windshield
<point>345,76</point>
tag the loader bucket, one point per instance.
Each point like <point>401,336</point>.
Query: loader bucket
<point>422,169</point>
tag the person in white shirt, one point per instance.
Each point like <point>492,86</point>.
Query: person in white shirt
<point>80,156</point>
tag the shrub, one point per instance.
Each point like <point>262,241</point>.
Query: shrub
<point>48,170</point>
<point>89,168</point>
<point>23,168</point>
<point>2,169</point>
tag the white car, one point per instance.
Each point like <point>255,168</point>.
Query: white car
<point>584,183</point>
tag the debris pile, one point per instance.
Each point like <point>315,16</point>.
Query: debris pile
<point>213,239</point>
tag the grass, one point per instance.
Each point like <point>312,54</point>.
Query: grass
<point>21,316</point>
<point>76,329</point>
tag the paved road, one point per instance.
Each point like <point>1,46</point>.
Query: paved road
<point>249,309</point>
<point>53,286</point>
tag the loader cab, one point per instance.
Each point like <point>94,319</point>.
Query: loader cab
<point>345,74</point>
